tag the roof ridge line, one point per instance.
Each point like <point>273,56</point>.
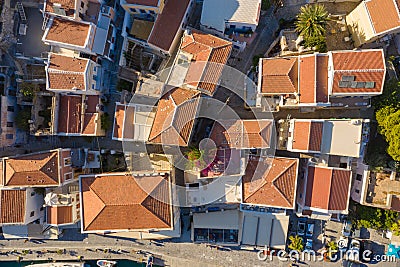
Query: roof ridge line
<point>280,175</point>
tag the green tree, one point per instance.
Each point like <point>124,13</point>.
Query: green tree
<point>311,24</point>
<point>22,118</point>
<point>390,95</point>
<point>296,243</point>
<point>388,119</point>
<point>105,121</point>
<point>332,246</point>
<point>28,89</point>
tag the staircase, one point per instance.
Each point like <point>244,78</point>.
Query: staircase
<point>21,12</point>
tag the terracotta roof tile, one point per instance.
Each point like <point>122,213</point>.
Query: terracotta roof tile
<point>168,24</point>
<point>123,202</point>
<point>279,75</point>
<point>66,81</point>
<point>59,215</point>
<point>175,117</point>
<point>66,73</point>
<point>364,65</point>
<point>307,79</point>
<point>242,133</point>
<point>322,79</point>
<point>90,123</point>
<point>70,109</point>
<point>68,32</point>
<point>119,120</point>
<point>271,182</point>
<point>384,14</point>
<point>13,203</point>
<point>33,169</point>
<point>67,5</point>
<point>124,121</point>
<point>307,135</point>
<point>327,188</point>
<point>209,56</point>
<point>70,117</point>
<point>66,63</point>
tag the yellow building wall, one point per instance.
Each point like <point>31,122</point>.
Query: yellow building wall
<point>360,25</point>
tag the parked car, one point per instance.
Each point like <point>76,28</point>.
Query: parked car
<point>301,228</point>
<point>310,230</point>
<point>346,231</point>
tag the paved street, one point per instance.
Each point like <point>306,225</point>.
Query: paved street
<point>171,253</point>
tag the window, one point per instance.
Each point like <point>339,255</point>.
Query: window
<point>357,191</point>
<point>10,108</point>
<point>152,12</point>
<point>67,162</point>
<point>358,177</point>
<point>95,68</point>
<point>41,208</point>
<point>10,124</point>
<point>82,5</point>
<point>68,176</point>
<point>142,11</point>
<point>9,136</point>
<point>33,193</point>
<point>133,10</point>
<point>32,213</point>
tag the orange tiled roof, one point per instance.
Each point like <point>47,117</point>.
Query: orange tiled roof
<point>123,202</point>
<point>327,188</point>
<point>13,203</point>
<point>321,94</point>
<point>70,117</point>
<point>384,14</point>
<point>67,5</point>
<point>210,54</point>
<point>279,75</point>
<point>39,169</point>
<point>168,24</point>
<point>175,117</point>
<point>68,32</point>
<point>59,215</point>
<point>67,64</point>
<point>307,81</point>
<point>364,65</point>
<point>242,133</point>
<point>66,73</point>
<point>307,135</point>
<point>124,121</point>
<point>270,182</point>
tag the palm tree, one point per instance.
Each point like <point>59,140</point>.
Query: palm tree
<point>312,20</point>
<point>296,243</point>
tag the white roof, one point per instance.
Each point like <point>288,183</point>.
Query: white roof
<point>342,137</point>
<point>223,189</point>
<point>216,12</point>
<point>265,230</point>
<point>227,219</point>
